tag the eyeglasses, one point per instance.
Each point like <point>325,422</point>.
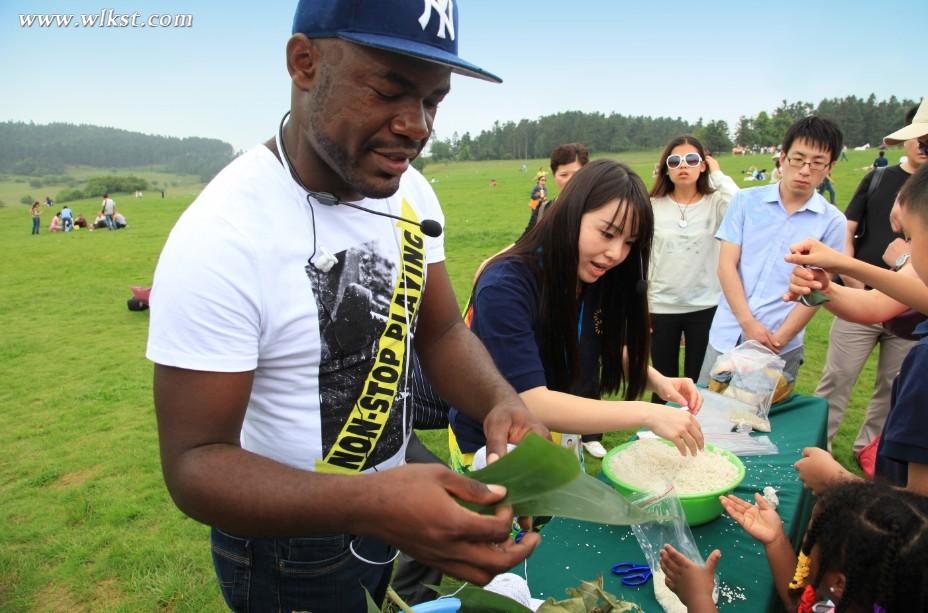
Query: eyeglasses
<point>813,165</point>
<point>923,147</point>
<point>690,159</point>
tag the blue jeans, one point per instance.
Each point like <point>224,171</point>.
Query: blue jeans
<point>316,574</point>
<point>35,225</point>
<point>109,222</point>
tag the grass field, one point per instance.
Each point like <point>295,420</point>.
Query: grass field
<point>88,524</point>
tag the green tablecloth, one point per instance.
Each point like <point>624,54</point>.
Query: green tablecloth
<point>572,551</point>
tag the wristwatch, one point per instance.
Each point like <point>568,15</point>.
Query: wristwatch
<point>902,259</point>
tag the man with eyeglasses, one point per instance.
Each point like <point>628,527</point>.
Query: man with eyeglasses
<point>759,226</point>
<point>869,233</point>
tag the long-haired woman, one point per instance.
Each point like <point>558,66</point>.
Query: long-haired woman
<point>564,314</point>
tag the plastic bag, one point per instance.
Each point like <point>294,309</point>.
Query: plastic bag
<point>743,444</point>
<point>753,375</point>
<point>722,421</point>
<point>670,528</point>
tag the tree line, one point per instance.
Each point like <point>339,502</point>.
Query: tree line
<point>39,150</point>
<point>862,121</point>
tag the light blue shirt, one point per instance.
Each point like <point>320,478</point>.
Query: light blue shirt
<point>758,222</point>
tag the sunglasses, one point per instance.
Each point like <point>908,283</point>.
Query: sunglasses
<point>690,159</point>
<point>923,147</point>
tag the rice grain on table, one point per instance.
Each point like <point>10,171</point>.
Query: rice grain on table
<point>646,464</point>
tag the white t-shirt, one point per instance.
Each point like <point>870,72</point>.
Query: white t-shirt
<point>684,261</point>
<point>109,206</point>
<point>234,292</point>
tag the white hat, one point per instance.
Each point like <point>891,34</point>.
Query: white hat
<point>916,129</point>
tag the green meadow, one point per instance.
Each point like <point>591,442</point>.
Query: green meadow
<point>87,522</point>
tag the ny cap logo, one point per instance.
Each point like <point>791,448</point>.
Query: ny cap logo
<point>445,11</point>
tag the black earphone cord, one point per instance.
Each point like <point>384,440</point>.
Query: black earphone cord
<point>429,227</point>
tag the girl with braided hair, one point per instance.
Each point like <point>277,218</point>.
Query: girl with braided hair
<point>865,551</point>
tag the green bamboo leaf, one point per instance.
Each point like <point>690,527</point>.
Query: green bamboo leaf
<point>478,600</point>
<point>571,605</point>
<point>534,467</point>
<point>542,479</point>
<point>371,605</point>
<point>588,597</point>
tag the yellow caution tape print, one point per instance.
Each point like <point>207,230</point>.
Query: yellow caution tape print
<point>365,425</point>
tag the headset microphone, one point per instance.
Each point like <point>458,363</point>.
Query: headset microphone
<point>429,227</point>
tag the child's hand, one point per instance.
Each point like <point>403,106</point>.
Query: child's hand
<point>692,583</point>
<point>759,520</point>
<point>818,470</point>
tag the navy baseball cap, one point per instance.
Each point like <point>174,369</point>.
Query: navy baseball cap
<point>423,29</point>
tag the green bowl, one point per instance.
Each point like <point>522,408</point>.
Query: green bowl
<point>699,508</point>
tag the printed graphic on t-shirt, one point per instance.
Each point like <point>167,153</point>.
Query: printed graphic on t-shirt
<point>363,324</point>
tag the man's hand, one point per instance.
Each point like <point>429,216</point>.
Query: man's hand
<point>507,423</point>
<point>895,219</point>
<point>895,250</point>
<point>818,470</point>
<point>755,331</point>
<point>803,280</point>
<point>417,512</point>
<point>759,520</point>
<point>693,584</point>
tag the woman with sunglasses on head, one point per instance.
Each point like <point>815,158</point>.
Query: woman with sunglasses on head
<point>689,198</point>
<point>564,315</point>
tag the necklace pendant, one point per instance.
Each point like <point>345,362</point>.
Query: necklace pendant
<point>682,223</point>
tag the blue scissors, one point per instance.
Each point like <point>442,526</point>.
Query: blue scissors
<point>632,574</point>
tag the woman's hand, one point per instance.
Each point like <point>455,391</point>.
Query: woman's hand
<point>712,163</point>
<point>677,426</point>
<point>679,390</point>
<point>759,520</point>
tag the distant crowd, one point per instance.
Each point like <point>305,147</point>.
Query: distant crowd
<point>65,219</point>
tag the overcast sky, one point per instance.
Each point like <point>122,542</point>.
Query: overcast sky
<point>224,77</point>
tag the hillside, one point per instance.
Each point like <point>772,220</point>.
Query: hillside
<point>40,150</point>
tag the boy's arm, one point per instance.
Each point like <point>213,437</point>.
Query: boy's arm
<point>900,287</point>
<point>730,280</point>
<point>850,281</point>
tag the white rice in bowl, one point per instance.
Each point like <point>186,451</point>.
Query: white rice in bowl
<point>646,464</point>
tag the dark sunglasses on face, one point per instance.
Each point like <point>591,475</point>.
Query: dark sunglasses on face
<point>923,147</point>
<point>690,159</point>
